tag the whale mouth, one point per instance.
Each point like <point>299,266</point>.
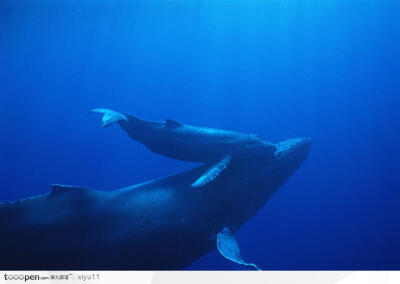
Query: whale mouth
<point>290,146</point>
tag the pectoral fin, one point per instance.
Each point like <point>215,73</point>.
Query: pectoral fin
<point>229,248</point>
<point>213,172</point>
<point>109,116</point>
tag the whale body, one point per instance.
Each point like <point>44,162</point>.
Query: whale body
<point>158,225</point>
<point>217,147</point>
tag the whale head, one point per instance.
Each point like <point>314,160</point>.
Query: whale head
<point>270,174</point>
<point>290,148</point>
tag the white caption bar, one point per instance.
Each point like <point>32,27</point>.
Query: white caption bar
<point>201,277</point>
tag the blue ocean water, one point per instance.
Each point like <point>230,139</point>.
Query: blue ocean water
<point>328,69</point>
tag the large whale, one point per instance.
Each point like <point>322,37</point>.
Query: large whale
<point>216,147</point>
<point>158,225</point>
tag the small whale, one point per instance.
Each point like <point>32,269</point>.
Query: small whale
<point>215,147</point>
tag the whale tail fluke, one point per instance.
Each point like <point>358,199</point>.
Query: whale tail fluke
<point>109,116</point>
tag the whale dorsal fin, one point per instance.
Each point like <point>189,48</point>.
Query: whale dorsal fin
<point>59,188</point>
<point>172,123</point>
<point>229,248</point>
<point>213,172</point>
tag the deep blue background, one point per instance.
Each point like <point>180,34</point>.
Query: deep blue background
<point>329,70</point>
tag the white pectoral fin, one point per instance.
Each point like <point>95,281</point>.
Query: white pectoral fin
<point>109,116</point>
<point>229,248</point>
<point>213,172</point>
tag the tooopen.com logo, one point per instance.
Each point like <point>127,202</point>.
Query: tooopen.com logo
<point>21,277</point>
